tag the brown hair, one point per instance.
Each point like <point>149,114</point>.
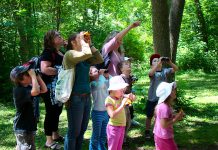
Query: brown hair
<point>49,39</point>
<point>19,78</point>
<point>72,37</point>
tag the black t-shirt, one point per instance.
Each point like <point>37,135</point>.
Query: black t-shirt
<point>24,119</point>
<point>54,58</point>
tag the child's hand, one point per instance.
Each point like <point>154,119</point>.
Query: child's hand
<point>31,72</point>
<point>124,101</point>
<point>179,116</point>
<point>131,96</point>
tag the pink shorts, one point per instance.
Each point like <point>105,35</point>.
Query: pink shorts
<point>164,144</point>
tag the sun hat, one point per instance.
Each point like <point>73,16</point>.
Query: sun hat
<point>154,56</point>
<point>117,83</point>
<point>18,70</point>
<point>164,89</point>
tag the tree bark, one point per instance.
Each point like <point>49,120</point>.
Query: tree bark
<point>160,26</point>
<point>203,26</point>
<point>175,20</point>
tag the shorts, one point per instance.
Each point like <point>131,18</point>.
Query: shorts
<point>150,108</point>
<point>164,144</point>
<point>25,141</point>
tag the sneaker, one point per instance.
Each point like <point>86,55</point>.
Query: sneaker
<point>135,123</point>
<point>147,135</point>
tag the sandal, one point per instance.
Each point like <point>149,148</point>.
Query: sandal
<point>54,146</point>
<point>59,139</point>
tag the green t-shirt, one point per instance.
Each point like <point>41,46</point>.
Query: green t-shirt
<point>120,118</point>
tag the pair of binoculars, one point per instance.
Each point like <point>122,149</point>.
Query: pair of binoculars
<point>165,59</point>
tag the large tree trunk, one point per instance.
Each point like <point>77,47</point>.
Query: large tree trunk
<point>175,18</point>
<point>203,26</point>
<point>160,25</point>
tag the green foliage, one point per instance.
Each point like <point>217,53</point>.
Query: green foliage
<point>194,57</point>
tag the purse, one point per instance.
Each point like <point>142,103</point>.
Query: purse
<point>64,84</point>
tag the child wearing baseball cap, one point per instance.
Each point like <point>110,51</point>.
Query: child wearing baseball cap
<point>115,104</point>
<point>27,86</point>
<point>157,74</point>
<point>164,118</point>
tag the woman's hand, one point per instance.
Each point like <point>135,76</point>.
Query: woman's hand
<point>135,24</point>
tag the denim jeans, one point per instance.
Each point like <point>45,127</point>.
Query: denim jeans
<point>78,114</point>
<point>99,135</point>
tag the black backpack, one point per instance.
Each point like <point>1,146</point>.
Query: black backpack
<point>106,63</point>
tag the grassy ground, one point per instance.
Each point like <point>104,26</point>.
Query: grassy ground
<point>198,131</point>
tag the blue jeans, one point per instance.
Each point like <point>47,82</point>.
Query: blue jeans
<point>78,114</point>
<point>99,135</point>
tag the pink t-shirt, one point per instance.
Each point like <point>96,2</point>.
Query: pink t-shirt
<point>116,57</point>
<point>163,111</point>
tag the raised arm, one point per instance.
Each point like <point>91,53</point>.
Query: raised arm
<point>122,33</point>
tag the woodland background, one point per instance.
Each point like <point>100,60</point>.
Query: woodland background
<point>185,30</point>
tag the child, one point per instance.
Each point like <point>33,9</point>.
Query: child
<point>156,74</point>
<point>99,85</point>
<point>27,86</point>
<point>125,68</point>
<point>115,104</point>
<point>164,119</point>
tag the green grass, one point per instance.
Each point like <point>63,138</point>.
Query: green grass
<point>198,131</point>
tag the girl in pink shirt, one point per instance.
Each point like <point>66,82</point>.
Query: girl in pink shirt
<point>164,118</point>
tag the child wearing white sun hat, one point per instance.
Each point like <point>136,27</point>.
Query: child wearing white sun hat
<point>115,104</point>
<point>164,118</point>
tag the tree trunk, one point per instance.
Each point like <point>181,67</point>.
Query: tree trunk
<point>175,18</point>
<point>160,25</point>
<point>203,26</point>
<point>58,14</point>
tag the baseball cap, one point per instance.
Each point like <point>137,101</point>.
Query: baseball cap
<point>164,89</point>
<point>18,70</point>
<point>154,56</point>
<point>117,83</point>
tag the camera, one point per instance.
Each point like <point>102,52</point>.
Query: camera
<point>106,71</point>
<point>165,59</point>
<point>134,78</point>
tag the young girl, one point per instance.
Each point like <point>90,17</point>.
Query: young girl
<point>125,68</point>
<point>27,86</point>
<point>115,104</point>
<point>99,85</point>
<point>164,118</point>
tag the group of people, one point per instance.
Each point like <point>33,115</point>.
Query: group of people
<point>110,89</point>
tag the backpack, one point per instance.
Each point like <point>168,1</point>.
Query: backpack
<point>106,63</point>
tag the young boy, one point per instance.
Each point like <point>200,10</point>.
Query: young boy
<point>157,74</point>
<point>27,86</point>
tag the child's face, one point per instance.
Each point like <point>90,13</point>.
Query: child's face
<point>126,66</point>
<point>26,80</point>
<point>155,61</point>
<point>118,93</point>
<point>93,73</point>
<point>173,94</point>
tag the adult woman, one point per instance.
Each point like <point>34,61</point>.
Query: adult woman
<point>79,56</point>
<point>113,45</point>
<point>51,58</point>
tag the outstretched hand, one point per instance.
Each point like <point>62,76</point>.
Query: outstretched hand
<point>136,24</point>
